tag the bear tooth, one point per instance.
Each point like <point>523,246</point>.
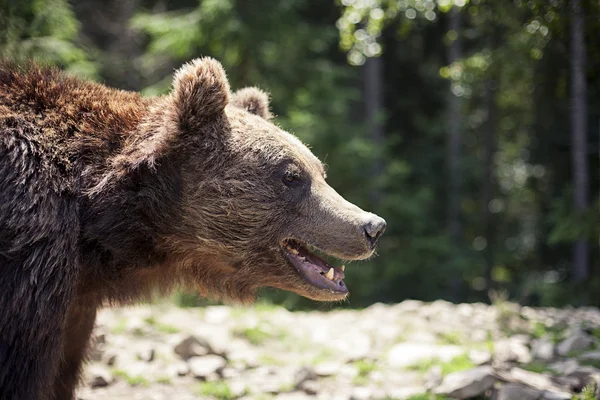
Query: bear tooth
<point>329,274</point>
<point>294,251</point>
<point>343,267</point>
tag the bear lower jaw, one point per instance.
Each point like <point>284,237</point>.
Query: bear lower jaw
<point>314,270</point>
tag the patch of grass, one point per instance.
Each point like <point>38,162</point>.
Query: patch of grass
<point>458,363</point>
<point>266,359</point>
<point>324,355</point>
<point>286,387</point>
<point>265,306</point>
<point>255,335</point>
<point>120,327</point>
<point>364,368</point>
<point>217,389</point>
<point>588,393</point>
<point>555,333</point>
<point>591,363</point>
<point>453,338</point>
<point>166,328</point>
<point>151,320</point>
<point>595,332</point>
<point>536,366</point>
<point>132,380</point>
<point>426,396</point>
<point>165,380</point>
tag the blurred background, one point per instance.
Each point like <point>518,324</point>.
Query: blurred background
<point>472,127</point>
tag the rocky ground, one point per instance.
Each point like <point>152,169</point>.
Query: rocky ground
<point>412,350</point>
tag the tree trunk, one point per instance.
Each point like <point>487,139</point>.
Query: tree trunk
<point>488,178</point>
<point>578,135</point>
<point>454,139</point>
<point>454,153</point>
<point>373,108</point>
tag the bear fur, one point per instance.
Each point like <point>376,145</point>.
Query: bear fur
<point>109,197</point>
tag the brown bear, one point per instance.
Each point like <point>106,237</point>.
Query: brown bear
<point>108,196</point>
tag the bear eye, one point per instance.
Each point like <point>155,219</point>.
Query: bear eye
<point>291,178</point>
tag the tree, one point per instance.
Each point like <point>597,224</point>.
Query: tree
<point>579,134</point>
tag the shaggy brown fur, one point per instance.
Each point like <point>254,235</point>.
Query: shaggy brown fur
<point>108,197</point>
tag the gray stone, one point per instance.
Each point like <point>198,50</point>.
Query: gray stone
<point>515,391</point>
<point>590,356</point>
<point>433,377</point>
<point>109,357</point>
<point>178,368</point>
<point>577,341</point>
<point>304,374</point>
<point>480,357</point>
<point>203,367</point>
<point>309,387</point>
<point>552,395</point>
<point>543,349</point>
<point>99,376</point>
<point>146,354</point>
<point>531,379</point>
<point>191,346</point>
<point>362,393</point>
<point>508,350</point>
<point>410,353</point>
<point>565,367</point>
<point>465,384</point>
<point>327,368</point>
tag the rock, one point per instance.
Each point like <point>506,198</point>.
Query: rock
<point>590,356</point>
<point>480,357</point>
<point>543,349</point>
<point>327,368</point>
<point>361,393</point>
<point>509,350</point>
<point>204,367</point>
<point>531,379</point>
<point>433,377</point>
<point>577,341</point>
<point>551,395</point>
<point>309,387</point>
<point>514,391</point>
<point>585,375</point>
<point>408,353</point>
<point>304,374</point>
<point>109,357</point>
<point>191,346</point>
<point>146,354</point>
<point>99,376</point>
<point>291,396</point>
<point>564,367</point>
<point>178,368</point>
<point>521,338</point>
<point>573,383</point>
<point>465,384</point>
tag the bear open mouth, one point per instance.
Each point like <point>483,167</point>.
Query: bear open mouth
<point>313,269</point>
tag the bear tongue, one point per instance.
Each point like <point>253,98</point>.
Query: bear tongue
<point>331,273</point>
<point>311,260</point>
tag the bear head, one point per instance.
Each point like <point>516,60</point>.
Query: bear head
<point>254,203</point>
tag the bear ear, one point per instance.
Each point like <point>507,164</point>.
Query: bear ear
<point>200,90</point>
<point>253,100</point>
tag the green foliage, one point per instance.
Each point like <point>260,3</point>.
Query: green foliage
<point>43,29</point>
<point>133,380</point>
<point>588,393</point>
<point>217,389</point>
<point>457,364</point>
<point>364,368</point>
<point>517,50</point>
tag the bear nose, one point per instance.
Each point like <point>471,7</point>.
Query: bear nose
<point>374,228</point>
